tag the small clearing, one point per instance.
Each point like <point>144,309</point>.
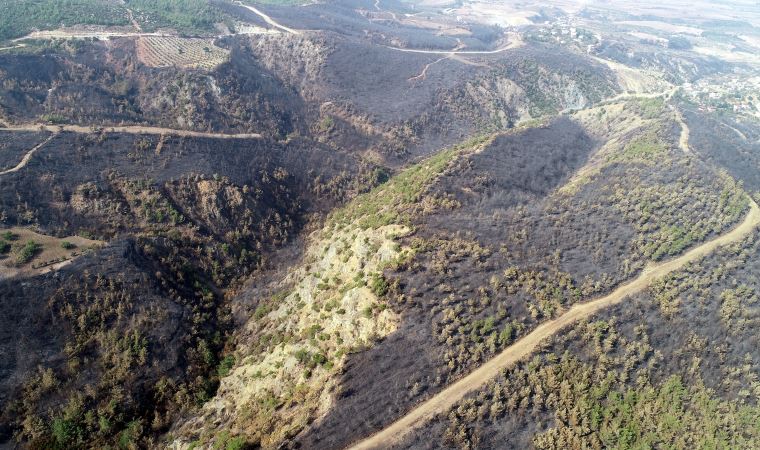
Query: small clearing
<point>46,254</point>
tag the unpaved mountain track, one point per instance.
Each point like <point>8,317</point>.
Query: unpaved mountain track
<point>27,157</point>
<point>12,47</point>
<point>132,129</point>
<point>136,25</point>
<point>268,19</point>
<point>665,94</point>
<point>84,34</point>
<point>683,139</point>
<point>163,132</point>
<point>512,45</point>
<point>446,399</point>
<point>738,133</point>
<point>423,74</point>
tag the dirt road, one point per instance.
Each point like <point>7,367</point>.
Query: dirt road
<point>515,42</point>
<point>683,138</point>
<point>136,25</point>
<point>27,157</point>
<point>423,74</point>
<point>131,129</point>
<point>445,399</point>
<point>268,19</point>
<point>125,129</point>
<point>666,94</point>
<point>12,47</point>
<point>85,34</point>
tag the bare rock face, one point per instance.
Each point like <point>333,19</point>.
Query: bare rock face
<point>299,60</point>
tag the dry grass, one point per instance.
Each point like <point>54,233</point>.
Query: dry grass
<point>51,256</point>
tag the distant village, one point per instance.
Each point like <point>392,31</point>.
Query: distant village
<point>735,93</point>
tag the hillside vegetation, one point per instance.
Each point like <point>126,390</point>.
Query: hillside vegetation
<point>134,334</point>
<point>186,16</point>
<point>285,227</point>
<point>673,367</point>
<point>289,355</point>
<point>21,17</point>
<point>507,239</point>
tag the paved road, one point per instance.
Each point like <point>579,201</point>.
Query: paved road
<point>447,398</point>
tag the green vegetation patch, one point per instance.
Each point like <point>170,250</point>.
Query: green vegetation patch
<point>27,252</point>
<point>20,17</point>
<point>188,16</point>
<point>278,2</point>
<point>643,148</point>
<point>646,147</point>
<point>671,217</point>
<point>5,241</point>
<point>391,202</point>
<point>667,416</point>
<point>648,108</point>
<point>224,441</point>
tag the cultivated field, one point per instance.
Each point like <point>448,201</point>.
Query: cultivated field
<point>197,53</point>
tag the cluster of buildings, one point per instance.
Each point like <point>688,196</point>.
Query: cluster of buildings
<point>736,93</point>
<point>564,31</point>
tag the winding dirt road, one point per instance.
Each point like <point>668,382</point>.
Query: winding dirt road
<point>423,74</point>
<point>515,42</point>
<point>130,129</point>
<point>27,157</point>
<point>446,399</point>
